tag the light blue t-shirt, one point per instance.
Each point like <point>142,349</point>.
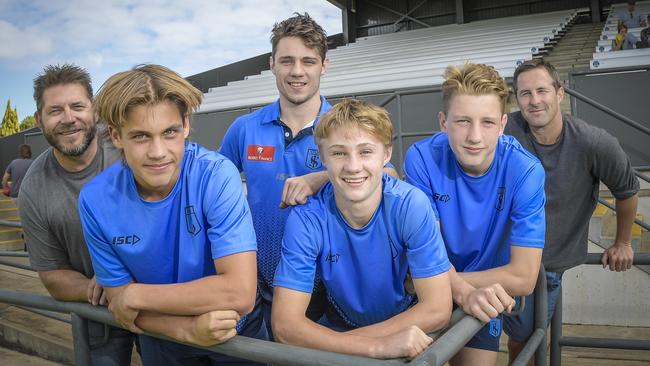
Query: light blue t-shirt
<point>481,217</point>
<point>255,143</point>
<point>363,270</point>
<point>173,240</point>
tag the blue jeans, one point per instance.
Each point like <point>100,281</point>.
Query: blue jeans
<point>116,351</point>
<point>520,327</point>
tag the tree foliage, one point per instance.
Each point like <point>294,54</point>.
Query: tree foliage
<point>9,121</point>
<point>27,123</point>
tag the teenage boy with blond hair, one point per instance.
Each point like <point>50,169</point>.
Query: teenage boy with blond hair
<point>361,234</point>
<point>168,229</point>
<point>489,195</point>
<point>274,146</point>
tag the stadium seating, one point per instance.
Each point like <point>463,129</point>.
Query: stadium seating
<point>610,29</point>
<point>410,59</point>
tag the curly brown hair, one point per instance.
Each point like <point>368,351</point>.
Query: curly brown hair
<point>304,27</point>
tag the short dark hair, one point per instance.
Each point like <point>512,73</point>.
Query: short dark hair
<point>54,75</point>
<point>25,151</point>
<point>304,27</point>
<point>533,64</point>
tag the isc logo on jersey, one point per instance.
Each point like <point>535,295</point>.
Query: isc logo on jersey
<point>260,153</point>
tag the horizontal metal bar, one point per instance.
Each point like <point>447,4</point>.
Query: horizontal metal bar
<point>10,223</point>
<point>608,110</point>
<point>14,254</point>
<point>451,341</point>
<point>529,349</point>
<point>639,258</point>
<point>613,208</point>
<point>613,343</point>
<point>45,313</point>
<point>239,346</point>
<point>642,176</point>
<point>17,265</point>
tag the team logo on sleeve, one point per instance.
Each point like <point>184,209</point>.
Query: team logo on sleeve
<point>313,159</point>
<point>501,198</point>
<point>495,327</point>
<point>193,225</point>
<point>260,153</point>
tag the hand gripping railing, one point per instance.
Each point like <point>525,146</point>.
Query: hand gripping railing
<point>448,342</point>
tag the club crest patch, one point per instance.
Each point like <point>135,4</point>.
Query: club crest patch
<point>313,159</point>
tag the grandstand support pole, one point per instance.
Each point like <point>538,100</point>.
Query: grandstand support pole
<point>594,7</point>
<point>541,314</point>
<point>80,340</point>
<point>460,12</point>
<point>556,331</point>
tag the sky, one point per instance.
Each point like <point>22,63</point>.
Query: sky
<point>109,36</point>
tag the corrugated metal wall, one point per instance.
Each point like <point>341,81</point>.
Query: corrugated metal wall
<point>373,18</point>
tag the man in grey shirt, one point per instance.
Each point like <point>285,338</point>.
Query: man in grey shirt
<point>48,199</point>
<point>17,169</point>
<point>576,158</point>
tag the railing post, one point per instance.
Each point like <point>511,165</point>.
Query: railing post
<point>556,331</point>
<point>541,314</point>
<point>81,340</point>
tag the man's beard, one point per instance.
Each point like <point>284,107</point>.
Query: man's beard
<point>73,151</point>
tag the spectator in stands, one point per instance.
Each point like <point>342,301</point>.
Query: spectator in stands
<point>359,234</point>
<point>644,42</point>
<point>631,17</point>
<point>623,39</point>
<point>577,157</point>
<point>168,229</point>
<point>274,145</point>
<point>471,167</point>
<point>16,171</point>
<point>48,199</point>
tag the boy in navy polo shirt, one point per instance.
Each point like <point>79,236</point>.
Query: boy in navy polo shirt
<point>274,146</point>
<point>489,195</point>
<point>168,229</point>
<point>361,234</point>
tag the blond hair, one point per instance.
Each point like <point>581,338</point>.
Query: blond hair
<point>144,85</point>
<point>473,79</point>
<point>356,113</point>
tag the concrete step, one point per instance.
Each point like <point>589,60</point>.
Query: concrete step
<point>13,358</point>
<point>25,331</point>
<point>10,233</point>
<point>6,202</point>
<point>9,213</point>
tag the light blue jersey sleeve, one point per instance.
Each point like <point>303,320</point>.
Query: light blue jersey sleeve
<point>230,144</point>
<point>109,269</point>
<point>425,249</point>
<point>300,250</point>
<point>528,215</point>
<point>229,218</point>
<point>416,173</point>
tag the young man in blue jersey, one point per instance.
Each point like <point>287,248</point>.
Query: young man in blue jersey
<point>274,145</point>
<point>169,231</point>
<point>489,195</point>
<point>361,234</point>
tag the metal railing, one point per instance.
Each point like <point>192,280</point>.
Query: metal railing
<point>447,343</point>
<point>558,341</point>
<point>536,344</point>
